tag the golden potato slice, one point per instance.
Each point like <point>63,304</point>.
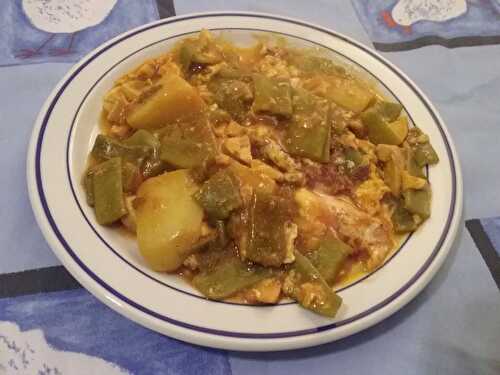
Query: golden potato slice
<point>350,94</point>
<point>169,221</point>
<point>173,99</point>
<point>400,129</point>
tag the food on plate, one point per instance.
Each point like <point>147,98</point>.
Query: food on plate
<point>258,173</point>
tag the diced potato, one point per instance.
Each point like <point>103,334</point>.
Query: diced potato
<point>385,152</point>
<point>250,178</point>
<point>133,89</point>
<point>412,182</point>
<point>392,177</point>
<point>400,128</point>
<point>261,167</point>
<point>233,129</point>
<point>169,221</point>
<point>350,95</point>
<point>239,148</point>
<point>394,166</point>
<point>172,100</point>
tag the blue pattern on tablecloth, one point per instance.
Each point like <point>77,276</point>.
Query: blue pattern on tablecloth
<point>78,327</point>
<point>492,228</point>
<point>452,327</point>
<point>400,22</point>
<point>23,43</point>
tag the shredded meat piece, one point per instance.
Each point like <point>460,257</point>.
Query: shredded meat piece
<point>328,178</point>
<point>360,174</point>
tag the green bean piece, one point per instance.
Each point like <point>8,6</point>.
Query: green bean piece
<point>108,191</point>
<point>329,257</point>
<point>219,195</point>
<point>181,153</point>
<point>309,288</point>
<point>201,50</point>
<point>152,165</point>
<point>272,96</point>
<point>231,72</point>
<point>418,202</point>
<point>186,53</point>
<point>354,156</point>
<point>228,277</point>
<point>423,151</point>
<point>411,164</point>
<point>188,144</point>
<point>142,138</point>
<point>88,185</point>
<point>388,110</point>
<point>379,130</point>
<point>425,154</point>
<point>106,148</point>
<point>402,220</point>
<point>316,64</point>
<point>309,133</point>
<point>198,51</point>
<point>233,96</point>
<point>266,231</point>
<point>131,179</point>
<point>222,237</point>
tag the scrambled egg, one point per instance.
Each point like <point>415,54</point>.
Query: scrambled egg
<point>370,192</point>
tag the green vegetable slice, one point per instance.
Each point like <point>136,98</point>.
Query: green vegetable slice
<point>418,202</point>
<point>329,257</point>
<point>106,148</point>
<point>388,110</point>
<point>234,96</point>
<point>402,220</point>
<point>309,132</point>
<point>309,288</point>
<point>188,144</point>
<point>272,96</point>
<point>219,195</point>
<point>228,277</point>
<point>266,236</point>
<point>108,191</point>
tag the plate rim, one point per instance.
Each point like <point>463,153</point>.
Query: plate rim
<point>88,278</point>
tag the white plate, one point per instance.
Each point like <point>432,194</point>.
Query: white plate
<point>108,264</point>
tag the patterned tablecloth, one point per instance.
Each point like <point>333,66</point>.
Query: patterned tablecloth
<point>50,325</point>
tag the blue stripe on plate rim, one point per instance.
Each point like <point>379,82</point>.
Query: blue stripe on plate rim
<point>216,332</point>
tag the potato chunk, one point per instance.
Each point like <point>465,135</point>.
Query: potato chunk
<point>168,219</point>
<point>173,99</point>
<point>350,95</point>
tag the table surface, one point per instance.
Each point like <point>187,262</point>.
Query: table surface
<point>452,327</point>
